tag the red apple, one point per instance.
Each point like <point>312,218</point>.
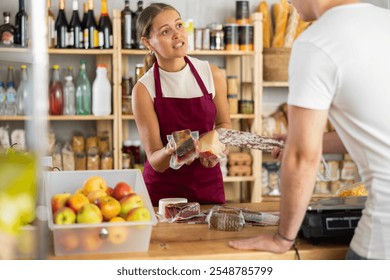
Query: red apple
<point>64,216</point>
<point>76,201</point>
<point>58,201</point>
<point>89,214</point>
<point>138,214</point>
<point>109,206</point>
<point>110,190</point>
<point>129,202</point>
<point>121,189</point>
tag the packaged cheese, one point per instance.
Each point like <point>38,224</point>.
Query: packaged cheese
<point>210,147</point>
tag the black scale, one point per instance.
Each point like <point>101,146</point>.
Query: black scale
<point>332,219</point>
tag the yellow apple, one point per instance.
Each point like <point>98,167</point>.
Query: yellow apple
<point>89,214</point>
<point>76,201</point>
<point>94,183</point>
<point>58,201</point>
<point>95,195</point>
<point>109,206</point>
<point>138,214</point>
<point>64,216</point>
<point>117,235</point>
<point>129,202</point>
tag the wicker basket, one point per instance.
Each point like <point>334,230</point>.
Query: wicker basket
<point>275,64</point>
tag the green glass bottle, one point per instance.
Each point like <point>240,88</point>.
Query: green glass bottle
<point>83,91</point>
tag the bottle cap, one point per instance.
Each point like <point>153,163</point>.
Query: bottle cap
<point>136,142</point>
<point>23,66</point>
<point>102,65</point>
<point>56,66</point>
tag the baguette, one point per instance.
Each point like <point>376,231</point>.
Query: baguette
<point>291,29</point>
<point>267,25</point>
<point>302,25</point>
<point>280,17</point>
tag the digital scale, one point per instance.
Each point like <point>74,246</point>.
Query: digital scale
<point>332,218</point>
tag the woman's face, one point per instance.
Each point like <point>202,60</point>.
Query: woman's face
<point>168,36</point>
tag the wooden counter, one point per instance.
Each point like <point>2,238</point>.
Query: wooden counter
<point>196,241</point>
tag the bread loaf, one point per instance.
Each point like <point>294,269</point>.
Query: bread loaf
<point>291,29</point>
<point>280,17</point>
<point>267,24</point>
<point>302,25</point>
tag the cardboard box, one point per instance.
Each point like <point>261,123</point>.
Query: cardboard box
<point>106,237</point>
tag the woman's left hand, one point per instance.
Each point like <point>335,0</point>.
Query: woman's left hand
<point>208,163</point>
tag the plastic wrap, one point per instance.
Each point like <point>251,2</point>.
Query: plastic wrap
<point>185,149</point>
<point>225,219</point>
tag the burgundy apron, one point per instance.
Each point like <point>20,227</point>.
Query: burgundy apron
<point>194,181</point>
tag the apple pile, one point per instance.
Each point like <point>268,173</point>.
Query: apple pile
<point>95,202</point>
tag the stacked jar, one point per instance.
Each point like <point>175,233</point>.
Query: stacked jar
<point>232,93</point>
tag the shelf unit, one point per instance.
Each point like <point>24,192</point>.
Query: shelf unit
<point>247,66</point>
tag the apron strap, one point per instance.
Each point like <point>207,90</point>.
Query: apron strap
<point>157,80</point>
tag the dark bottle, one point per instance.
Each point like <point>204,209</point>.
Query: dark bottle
<point>105,28</point>
<point>61,27</point>
<point>75,31</point>
<point>126,26</point>
<point>135,40</point>
<point>85,16</point>
<point>7,31</point>
<point>21,26</point>
<point>56,95</point>
<point>91,35</point>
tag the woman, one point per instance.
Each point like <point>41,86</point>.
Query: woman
<point>177,92</point>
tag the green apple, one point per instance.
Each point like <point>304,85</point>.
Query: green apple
<point>89,214</point>
<point>64,216</point>
<point>138,214</point>
<point>129,202</point>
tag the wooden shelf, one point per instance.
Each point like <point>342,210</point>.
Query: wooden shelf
<point>82,51</point>
<point>16,54</point>
<point>228,179</point>
<point>196,52</point>
<point>80,118</point>
<point>59,118</point>
<point>275,84</point>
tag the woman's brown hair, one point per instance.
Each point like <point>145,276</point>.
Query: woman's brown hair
<point>144,26</point>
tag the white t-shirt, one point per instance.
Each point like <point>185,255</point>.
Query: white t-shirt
<point>342,63</point>
<point>181,84</point>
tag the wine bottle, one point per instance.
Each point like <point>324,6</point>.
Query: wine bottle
<point>105,28</point>
<point>7,31</point>
<point>76,36</point>
<point>136,41</point>
<point>51,34</point>
<point>21,26</point>
<point>85,16</point>
<point>126,26</point>
<point>61,27</point>
<point>91,34</point>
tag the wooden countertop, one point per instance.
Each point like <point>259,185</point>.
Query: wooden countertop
<point>196,241</point>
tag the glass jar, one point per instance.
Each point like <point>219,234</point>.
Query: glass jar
<point>246,106</point>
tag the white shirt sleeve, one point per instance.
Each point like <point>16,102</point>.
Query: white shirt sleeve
<point>312,77</point>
